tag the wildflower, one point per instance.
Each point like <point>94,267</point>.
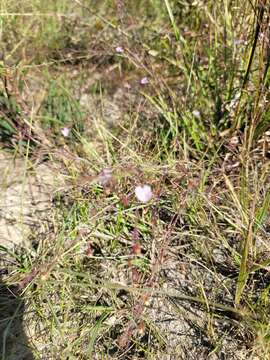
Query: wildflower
<point>105,176</point>
<point>143,193</point>
<point>65,131</point>
<point>196,113</point>
<point>144,81</point>
<point>238,42</point>
<point>119,49</point>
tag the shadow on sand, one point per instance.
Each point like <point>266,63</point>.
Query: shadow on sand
<point>13,341</point>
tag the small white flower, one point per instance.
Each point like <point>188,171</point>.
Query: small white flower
<point>196,113</point>
<point>144,81</point>
<point>119,49</point>
<point>65,131</point>
<point>238,42</point>
<point>143,193</point>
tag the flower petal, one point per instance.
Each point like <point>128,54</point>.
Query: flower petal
<point>143,193</point>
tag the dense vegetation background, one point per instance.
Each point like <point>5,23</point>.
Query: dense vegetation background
<point>114,95</point>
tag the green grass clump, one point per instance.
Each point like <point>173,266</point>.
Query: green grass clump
<point>59,109</point>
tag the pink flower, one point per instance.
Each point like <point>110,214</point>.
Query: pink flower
<point>65,131</point>
<point>143,193</point>
<point>119,49</point>
<point>144,81</point>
